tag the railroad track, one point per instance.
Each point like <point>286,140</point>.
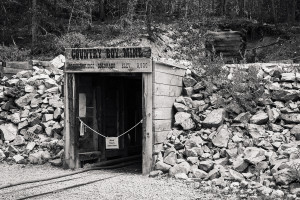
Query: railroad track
<point>40,187</point>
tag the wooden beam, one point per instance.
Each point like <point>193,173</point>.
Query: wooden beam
<point>67,145</point>
<point>163,101</point>
<point>166,90</point>
<point>160,136</point>
<point>162,125</point>
<point>169,69</point>
<point>76,122</point>
<point>147,124</point>
<point>163,113</point>
<point>167,79</point>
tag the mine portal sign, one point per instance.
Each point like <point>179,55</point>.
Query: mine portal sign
<point>119,59</point>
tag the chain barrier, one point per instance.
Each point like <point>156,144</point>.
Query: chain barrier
<point>82,124</point>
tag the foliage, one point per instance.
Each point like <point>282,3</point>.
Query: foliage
<point>72,40</point>
<point>13,53</point>
<point>246,87</point>
<point>46,45</point>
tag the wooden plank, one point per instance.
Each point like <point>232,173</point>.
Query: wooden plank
<point>89,155</point>
<point>169,69</point>
<point>40,63</point>
<point>166,90</point>
<point>167,79</point>
<point>107,53</point>
<point>67,145</point>
<point>109,66</point>
<point>227,48</point>
<point>70,145</point>
<point>162,125</point>
<point>147,125</point>
<point>18,65</point>
<point>76,121</point>
<point>232,39</point>
<point>163,113</point>
<point>223,33</point>
<point>11,70</point>
<point>225,43</point>
<point>163,101</point>
<point>169,63</point>
<point>160,136</point>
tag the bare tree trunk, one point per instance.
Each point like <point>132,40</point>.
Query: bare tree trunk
<point>131,9</point>
<point>186,8</point>
<point>274,12</point>
<point>293,14</point>
<point>34,23</point>
<point>149,20</point>
<point>291,11</point>
<point>102,10</point>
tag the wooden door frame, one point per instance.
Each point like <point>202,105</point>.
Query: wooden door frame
<point>71,146</point>
<point>147,123</point>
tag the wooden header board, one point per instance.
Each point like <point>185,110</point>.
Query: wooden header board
<point>113,60</point>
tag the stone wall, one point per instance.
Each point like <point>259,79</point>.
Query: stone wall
<point>224,142</point>
<point>32,117</point>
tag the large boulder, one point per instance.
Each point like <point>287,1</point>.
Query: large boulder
<point>296,131</point>
<point>290,117</point>
<point>24,100</point>
<point>9,131</point>
<point>206,165</point>
<point>180,107</point>
<point>214,118</point>
<point>256,131</point>
<point>285,95</point>
<point>284,176</point>
<point>198,173</point>
<point>240,164</point>
<point>189,81</point>
<point>222,136</point>
<point>243,118</point>
<point>259,118</point>
<point>160,165</point>
<point>183,167</point>
<point>254,155</point>
<point>184,119</point>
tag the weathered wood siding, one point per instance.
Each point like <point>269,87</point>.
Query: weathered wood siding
<point>11,68</point>
<point>167,86</point>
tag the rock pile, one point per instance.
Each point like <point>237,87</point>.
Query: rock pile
<point>32,117</point>
<point>219,142</point>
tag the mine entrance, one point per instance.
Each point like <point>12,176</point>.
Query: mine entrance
<point>110,104</point>
<point>107,92</point>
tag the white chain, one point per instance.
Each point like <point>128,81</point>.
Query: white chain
<point>106,136</point>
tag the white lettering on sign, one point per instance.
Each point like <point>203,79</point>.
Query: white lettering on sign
<point>108,53</point>
<point>112,143</point>
<point>115,66</point>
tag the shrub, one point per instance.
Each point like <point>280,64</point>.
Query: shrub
<point>71,40</point>
<point>45,45</point>
<point>246,88</point>
<point>13,53</point>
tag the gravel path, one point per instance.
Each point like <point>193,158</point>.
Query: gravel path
<point>126,183</point>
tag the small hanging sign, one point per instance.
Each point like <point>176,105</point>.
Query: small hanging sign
<point>112,142</point>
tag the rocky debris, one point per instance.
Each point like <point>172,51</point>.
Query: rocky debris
<point>259,118</point>
<point>255,148</point>
<point>222,137</point>
<point>31,110</point>
<point>214,119</point>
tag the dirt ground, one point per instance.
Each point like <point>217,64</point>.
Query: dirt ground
<point>126,183</point>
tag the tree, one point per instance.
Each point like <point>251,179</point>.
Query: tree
<point>34,23</point>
